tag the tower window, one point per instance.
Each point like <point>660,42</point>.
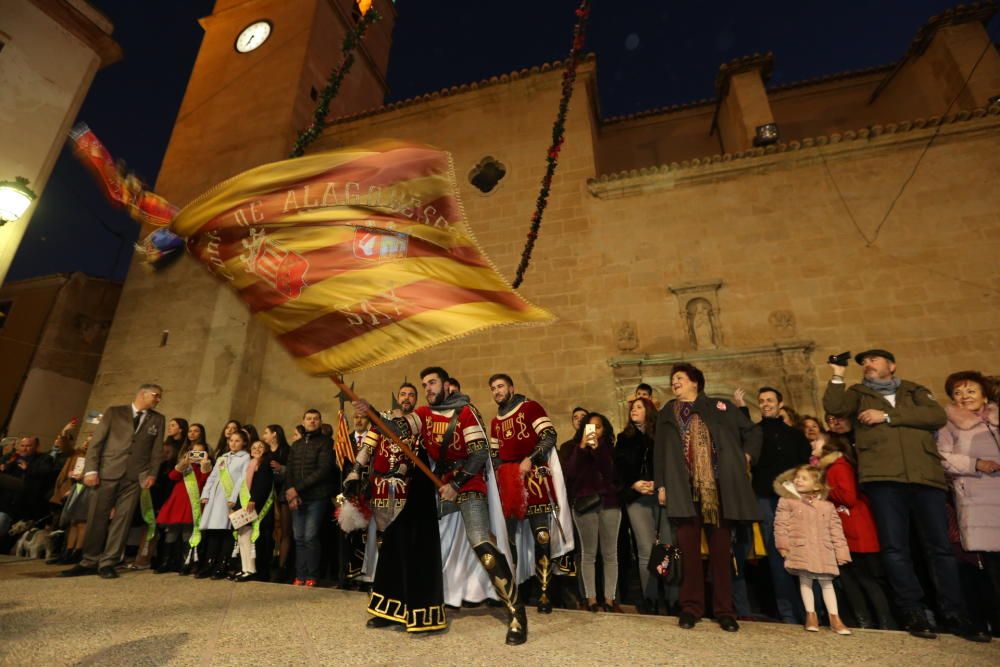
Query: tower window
<point>313,93</point>
<point>486,175</point>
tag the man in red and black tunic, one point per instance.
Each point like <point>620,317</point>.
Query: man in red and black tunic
<point>388,468</point>
<point>407,588</point>
<point>521,438</point>
<point>456,441</point>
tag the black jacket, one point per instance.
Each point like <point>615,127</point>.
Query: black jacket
<point>633,462</point>
<point>311,469</point>
<point>783,448</point>
<point>28,498</point>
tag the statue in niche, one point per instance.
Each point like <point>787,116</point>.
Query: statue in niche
<point>626,337</point>
<point>703,327</point>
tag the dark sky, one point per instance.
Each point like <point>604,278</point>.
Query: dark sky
<point>650,53</point>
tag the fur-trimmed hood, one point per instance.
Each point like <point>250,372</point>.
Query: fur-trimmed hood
<point>785,489</point>
<point>964,420</point>
<point>828,460</point>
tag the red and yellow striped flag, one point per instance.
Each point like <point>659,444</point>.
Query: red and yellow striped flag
<point>353,257</point>
<point>343,447</point>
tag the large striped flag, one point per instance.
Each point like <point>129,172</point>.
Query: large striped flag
<point>353,257</point>
<point>343,447</point>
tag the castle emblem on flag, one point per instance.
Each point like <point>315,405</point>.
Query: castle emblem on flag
<point>380,246</point>
<point>282,269</point>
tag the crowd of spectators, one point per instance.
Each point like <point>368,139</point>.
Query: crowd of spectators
<point>884,513</point>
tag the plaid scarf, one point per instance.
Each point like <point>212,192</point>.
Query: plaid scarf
<point>701,457</point>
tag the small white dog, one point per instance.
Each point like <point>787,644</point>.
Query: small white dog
<point>34,543</point>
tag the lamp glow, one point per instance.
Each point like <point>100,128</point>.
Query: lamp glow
<point>15,198</point>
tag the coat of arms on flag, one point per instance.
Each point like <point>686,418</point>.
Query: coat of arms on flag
<point>353,257</point>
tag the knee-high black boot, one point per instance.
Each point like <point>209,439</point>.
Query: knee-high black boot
<point>504,582</point>
<point>543,569</point>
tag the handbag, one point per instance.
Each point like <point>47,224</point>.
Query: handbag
<point>664,559</point>
<point>585,504</point>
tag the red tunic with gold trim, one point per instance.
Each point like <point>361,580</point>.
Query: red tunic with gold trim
<point>469,436</point>
<point>384,460</point>
<point>513,437</point>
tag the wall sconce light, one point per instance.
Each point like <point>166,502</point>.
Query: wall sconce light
<point>15,198</point>
<point>765,135</point>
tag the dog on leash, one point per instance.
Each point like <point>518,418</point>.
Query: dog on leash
<point>34,542</point>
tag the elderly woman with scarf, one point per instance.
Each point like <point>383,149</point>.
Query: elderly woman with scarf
<point>970,449</point>
<point>700,470</point>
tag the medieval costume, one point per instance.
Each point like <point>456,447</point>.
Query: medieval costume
<point>352,545</point>
<point>407,586</point>
<point>521,430</point>
<point>457,445</point>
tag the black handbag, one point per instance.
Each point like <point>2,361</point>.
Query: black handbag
<point>664,559</point>
<point>585,504</point>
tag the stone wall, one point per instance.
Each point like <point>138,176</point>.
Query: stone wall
<point>784,266</point>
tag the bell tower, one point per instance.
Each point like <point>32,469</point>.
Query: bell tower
<point>254,86</point>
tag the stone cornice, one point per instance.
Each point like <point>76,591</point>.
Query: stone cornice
<point>762,63</point>
<point>83,28</point>
<point>976,12</point>
<point>650,179</point>
<point>525,73</point>
<point>709,355</point>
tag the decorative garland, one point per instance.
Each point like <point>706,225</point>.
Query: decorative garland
<point>332,87</point>
<point>569,76</point>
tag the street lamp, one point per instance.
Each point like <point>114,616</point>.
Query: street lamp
<point>15,198</point>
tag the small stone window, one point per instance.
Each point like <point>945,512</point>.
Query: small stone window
<point>486,175</point>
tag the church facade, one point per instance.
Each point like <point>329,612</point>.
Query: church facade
<point>750,234</point>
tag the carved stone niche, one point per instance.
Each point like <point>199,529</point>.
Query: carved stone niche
<point>786,365</point>
<point>698,306</point>
<point>626,337</point>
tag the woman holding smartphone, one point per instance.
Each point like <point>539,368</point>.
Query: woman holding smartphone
<point>593,492</point>
<point>176,518</point>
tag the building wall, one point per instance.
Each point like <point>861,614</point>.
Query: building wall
<point>764,238</point>
<point>31,303</point>
<point>772,230</point>
<point>239,111</point>
<point>45,72</point>
<point>61,324</point>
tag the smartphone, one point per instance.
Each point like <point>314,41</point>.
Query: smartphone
<point>589,429</point>
<point>197,455</point>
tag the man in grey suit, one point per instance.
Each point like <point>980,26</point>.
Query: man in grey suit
<point>123,458</point>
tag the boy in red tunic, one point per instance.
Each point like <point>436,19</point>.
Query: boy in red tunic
<point>521,439</point>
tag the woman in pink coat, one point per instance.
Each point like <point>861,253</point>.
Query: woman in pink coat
<point>970,449</point>
<point>809,536</point>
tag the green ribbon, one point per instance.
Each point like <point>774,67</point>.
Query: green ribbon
<point>227,481</point>
<point>245,500</point>
<point>148,515</point>
<point>194,496</point>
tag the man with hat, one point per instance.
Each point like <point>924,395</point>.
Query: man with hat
<point>901,473</point>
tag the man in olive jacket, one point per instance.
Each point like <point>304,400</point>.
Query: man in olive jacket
<point>900,471</point>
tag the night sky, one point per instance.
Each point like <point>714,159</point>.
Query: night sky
<point>650,53</point>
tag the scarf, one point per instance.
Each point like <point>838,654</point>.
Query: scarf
<point>511,403</point>
<point>701,457</point>
<point>453,402</point>
<point>884,387</point>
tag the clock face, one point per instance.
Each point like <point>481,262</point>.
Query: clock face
<point>253,36</point>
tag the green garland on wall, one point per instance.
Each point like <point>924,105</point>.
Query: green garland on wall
<point>332,87</point>
<point>558,130</point>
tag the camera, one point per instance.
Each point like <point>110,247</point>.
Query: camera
<point>841,359</point>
